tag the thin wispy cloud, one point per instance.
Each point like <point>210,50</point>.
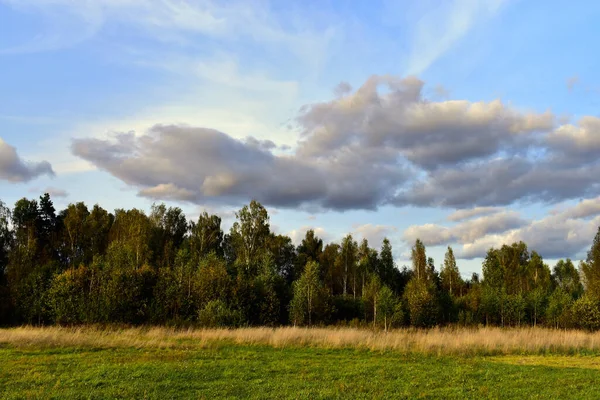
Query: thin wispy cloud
<point>441,26</point>
<point>63,24</point>
<point>572,82</point>
<point>69,23</point>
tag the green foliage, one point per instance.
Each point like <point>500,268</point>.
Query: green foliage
<point>211,281</point>
<point>329,268</point>
<point>387,267</point>
<point>470,308</point>
<point>206,236</point>
<point>98,225</point>
<point>282,252</point>
<point>490,305</point>
<point>513,308</point>
<point>66,297</point>
<point>450,275</point>
<point>537,301</point>
<point>310,249</point>
<point>75,235</point>
<point>390,311</point>
<point>174,293</point>
<point>347,309</point>
<point>84,265</point>
<point>269,288</point>
<point>132,230</point>
<point>591,269</point>
<point>558,312</point>
<point>6,243</point>
<point>422,302</point>
<point>419,259</point>
<point>168,229</point>
<point>30,296</point>
<point>127,294</point>
<point>567,278</point>
<point>310,303</point>
<point>249,235</point>
<point>346,263</point>
<point>216,314</point>
<point>586,313</point>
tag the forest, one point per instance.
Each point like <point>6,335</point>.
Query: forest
<point>90,266</point>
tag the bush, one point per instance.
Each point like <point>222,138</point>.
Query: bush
<point>347,308</point>
<point>423,305</point>
<point>558,312</point>
<point>513,309</point>
<point>65,297</point>
<point>586,313</point>
<point>216,314</point>
<point>127,294</point>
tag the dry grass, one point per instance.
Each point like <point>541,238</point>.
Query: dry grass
<point>444,341</point>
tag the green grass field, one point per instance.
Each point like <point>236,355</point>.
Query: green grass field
<point>258,371</point>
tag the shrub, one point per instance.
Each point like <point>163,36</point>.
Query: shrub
<point>216,314</point>
<point>558,312</point>
<point>586,313</point>
<point>423,306</point>
<point>65,296</point>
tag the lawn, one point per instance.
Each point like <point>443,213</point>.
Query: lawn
<point>224,369</point>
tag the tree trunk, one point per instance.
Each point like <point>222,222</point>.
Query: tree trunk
<point>374,312</point>
<point>309,306</point>
<point>346,274</point>
<point>363,284</point>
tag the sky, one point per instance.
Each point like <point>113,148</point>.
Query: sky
<point>464,123</point>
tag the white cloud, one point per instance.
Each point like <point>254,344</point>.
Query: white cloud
<point>221,70</point>
<point>52,191</point>
<point>14,169</point>
<point>441,25</point>
<point>555,236</point>
<point>227,111</point>
<point>572,82</point>
<point>56,192</point>
<point>460,215</point>
<point>584,209</point>
<point>466,231</point>
<point>177,21</point>
<point>66,25</point>
<point>167,191</point>
<point>298,234</point>
<point>581,140</point>
<point>363,150</point>
<point>561,233</point>
<point>374,233</point>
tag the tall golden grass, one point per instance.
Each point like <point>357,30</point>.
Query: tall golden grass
<point>440,341</point>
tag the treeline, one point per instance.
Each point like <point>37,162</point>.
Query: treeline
<point>85,265</point>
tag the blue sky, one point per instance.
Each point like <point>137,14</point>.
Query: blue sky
<point>74,76</point>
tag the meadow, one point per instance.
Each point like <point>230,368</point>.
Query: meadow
<point>147,362</point>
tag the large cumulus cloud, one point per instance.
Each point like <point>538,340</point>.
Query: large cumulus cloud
<point>381,144</point>
<point>14,169</point>
<point>202,165</point>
